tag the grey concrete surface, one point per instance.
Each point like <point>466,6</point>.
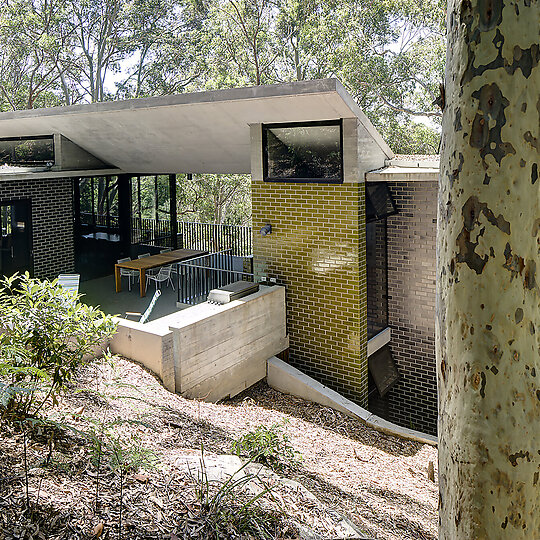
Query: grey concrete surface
<point>204,132</point>
<point>290,380</point>
<point>101,292</point>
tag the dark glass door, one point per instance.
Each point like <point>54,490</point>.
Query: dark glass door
<point>15,238</point>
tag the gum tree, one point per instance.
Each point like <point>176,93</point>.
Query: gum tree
<point>488,342</point>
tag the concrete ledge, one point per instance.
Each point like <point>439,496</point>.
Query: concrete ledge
<point>403,174</point>
<point>379,341</point>
<point>289,380</point>
<point>149,344</point>
<point>209,351</point>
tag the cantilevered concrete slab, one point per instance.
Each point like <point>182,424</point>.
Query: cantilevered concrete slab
<point>204,132</point>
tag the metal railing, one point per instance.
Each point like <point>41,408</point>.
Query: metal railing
<point>99,220</point>
<point>152,232</point>
<point>216,237</point>
<point>198,276</point>
<point>211,237</point>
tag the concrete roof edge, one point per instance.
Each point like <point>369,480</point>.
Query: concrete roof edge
<point>364,120</point>
<point>401,174</point>
<point>316,86</point>
<point>39,175</point>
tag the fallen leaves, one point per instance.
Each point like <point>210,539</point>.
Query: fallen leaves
<point>359,472</point>
<point>97,531</point>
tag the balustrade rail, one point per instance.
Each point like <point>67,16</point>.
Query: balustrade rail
<point>151,232</point>
<point>198,276</point>
<point>99,220</point>
<point>216,237</point>
<point>212,237</point>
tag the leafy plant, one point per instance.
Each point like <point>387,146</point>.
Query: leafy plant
<point>46,335</point>
<point>267,445</point>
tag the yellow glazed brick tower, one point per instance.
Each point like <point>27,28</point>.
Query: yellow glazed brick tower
<point>317,250</point>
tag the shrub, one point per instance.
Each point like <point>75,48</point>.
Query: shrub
<point>267,445</point>
<point>46,333</point>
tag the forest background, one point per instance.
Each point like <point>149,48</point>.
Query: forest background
<point>389,54</point>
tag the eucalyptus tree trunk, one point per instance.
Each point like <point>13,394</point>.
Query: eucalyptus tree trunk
<point>488,331</point>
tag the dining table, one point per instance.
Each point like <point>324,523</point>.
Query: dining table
<point>153,261</point>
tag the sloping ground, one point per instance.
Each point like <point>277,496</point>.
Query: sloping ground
<point>378,482</point>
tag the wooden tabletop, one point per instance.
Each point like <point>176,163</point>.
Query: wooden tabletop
<point>162,259</point>
<point>154,261</point>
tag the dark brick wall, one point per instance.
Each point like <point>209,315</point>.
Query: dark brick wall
<point>411,306</point>
<point>52,221</point>
<point>376,277</point>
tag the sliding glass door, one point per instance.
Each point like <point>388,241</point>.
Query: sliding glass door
<point>15,238</point>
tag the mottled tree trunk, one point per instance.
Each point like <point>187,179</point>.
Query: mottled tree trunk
<point>488,331</point>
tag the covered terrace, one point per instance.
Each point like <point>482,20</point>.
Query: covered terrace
<point>123,161</point>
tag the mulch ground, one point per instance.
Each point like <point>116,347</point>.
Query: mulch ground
<point>380,483</point>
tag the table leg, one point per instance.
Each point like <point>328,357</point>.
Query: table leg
<point>117,278</point>
<point>142,277</point>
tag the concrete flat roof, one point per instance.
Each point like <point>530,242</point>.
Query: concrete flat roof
<point>203,132</point>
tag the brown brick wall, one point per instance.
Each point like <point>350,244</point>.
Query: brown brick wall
<point>52,221</point>
<point>411,288</point>
<point>317,250</point>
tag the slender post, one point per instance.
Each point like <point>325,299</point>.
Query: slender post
<point>173,214</point>
<point>124,212</point>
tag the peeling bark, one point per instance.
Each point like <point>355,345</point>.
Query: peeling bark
<point>488,312</point>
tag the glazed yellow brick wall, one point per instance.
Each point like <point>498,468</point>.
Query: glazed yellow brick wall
<point>317,250</point>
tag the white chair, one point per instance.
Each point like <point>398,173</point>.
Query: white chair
<point>164,274</point>
<point>150,271</point>
<point>126,272</point>
<point>69,282</point>
<point>143,317</point>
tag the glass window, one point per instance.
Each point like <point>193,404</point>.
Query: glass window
<point>99,201</point>
<point>24,151</point>
<point>379,202</point>
<point>310,152</point>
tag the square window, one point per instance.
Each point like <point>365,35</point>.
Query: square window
<point>309,152</point>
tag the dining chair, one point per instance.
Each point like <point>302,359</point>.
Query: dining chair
<point>150,271</point>
<point>69,282</point>
<point>163,275</point>
<point>143,317</point>
<point>126,272</point>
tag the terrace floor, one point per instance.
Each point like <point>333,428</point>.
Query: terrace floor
<point>101,292</point>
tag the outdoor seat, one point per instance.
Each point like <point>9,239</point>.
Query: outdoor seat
<point>143,317</point>
<point>69,282</point>
<point>163,275</point>
<point>126,272</point>
<point>150,271</point>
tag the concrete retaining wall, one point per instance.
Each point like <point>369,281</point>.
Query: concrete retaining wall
<point>222,350</point>
<point>290,380</point>
<point>209,351</point>
<point>151,347</point>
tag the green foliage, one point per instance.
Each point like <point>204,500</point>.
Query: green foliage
<point>46,335</point>
<point>388,53</point>
<point>128,454</point>
<point>215,198</point>
<point>405,137</point>
<point>267,445</point>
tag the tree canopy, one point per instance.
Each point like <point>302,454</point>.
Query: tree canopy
<point>388,53</point>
